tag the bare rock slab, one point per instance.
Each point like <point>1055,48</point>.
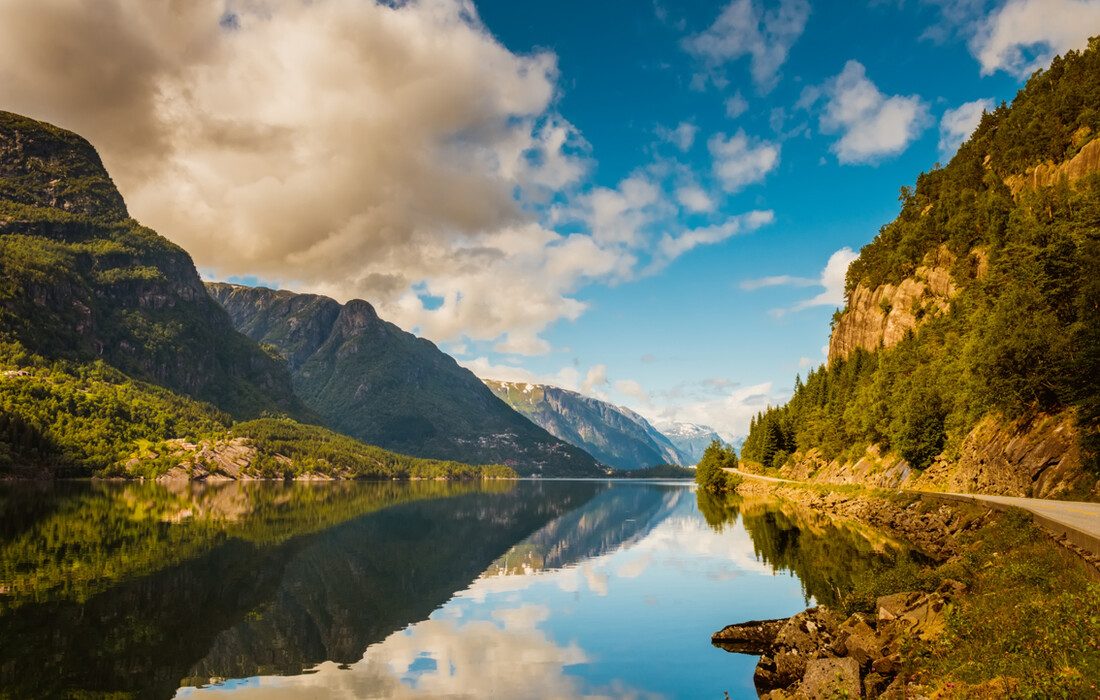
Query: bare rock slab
<point>831,678</point>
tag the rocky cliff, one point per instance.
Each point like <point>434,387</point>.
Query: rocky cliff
<point>373,381</point>
<point>614,435</point>
<point>881,317</point>
<point>1086,161</point>
<point>81,281</point>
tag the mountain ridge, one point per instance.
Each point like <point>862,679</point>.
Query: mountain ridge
<point>615,435</point>
<point>371,380</point>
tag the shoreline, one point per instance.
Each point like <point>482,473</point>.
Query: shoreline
<point>899,643</point>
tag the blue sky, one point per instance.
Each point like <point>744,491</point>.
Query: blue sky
<point>652,202</point>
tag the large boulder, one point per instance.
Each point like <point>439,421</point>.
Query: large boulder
<point>804,637</point>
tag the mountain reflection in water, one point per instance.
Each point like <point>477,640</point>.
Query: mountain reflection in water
<point>519,590</point>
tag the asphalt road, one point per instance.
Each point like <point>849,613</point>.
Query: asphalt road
<point>1078,515</point>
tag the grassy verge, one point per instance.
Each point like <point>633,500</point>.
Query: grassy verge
<point>1028,627</point>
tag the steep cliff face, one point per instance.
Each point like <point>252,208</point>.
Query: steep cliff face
<point>614,435</point>
<point>80,280</point>
<point>373,381</point>
<point>1048,174</point>
<point>1037,458</point>
<point>881,317</point>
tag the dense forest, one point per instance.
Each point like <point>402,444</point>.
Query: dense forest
<point>1021,337</point>
<point>73,419</point>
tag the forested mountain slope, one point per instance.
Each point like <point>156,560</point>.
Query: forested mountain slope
<point>82,281</point>
<point>369,379</point>
<point>614,435</point>
<point>114,361</point>
<point>967,356</point>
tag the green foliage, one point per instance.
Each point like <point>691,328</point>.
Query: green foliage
<point>710,473</point>
<point>82,282</point>
<point>1027,628</point>
<point>311,449</point>
<point>74,419</point>
<point>1020,339</point>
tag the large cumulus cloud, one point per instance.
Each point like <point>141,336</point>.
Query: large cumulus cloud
<point>391,151</point>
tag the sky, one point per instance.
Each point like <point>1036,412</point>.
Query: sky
<point>651,202</point>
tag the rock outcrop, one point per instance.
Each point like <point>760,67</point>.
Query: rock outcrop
<point>1086,161</point>
<point>1036,458</point>
<point>816,655</point>
<point>1040,458</point>
<point>881,317</point>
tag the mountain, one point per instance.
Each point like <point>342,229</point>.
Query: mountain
<point>114,361</point>
<point>612,434</point>
<point>82,281</point>
<point>689,438</point>
<point>371,380</point>
<point>967,355</point>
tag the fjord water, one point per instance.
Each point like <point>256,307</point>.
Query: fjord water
<point>531,589</point>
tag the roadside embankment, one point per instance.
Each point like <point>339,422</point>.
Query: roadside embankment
<point>997,613</point>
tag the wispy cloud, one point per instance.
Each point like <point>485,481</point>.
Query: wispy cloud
<point>776,281</point>
<point>747,28</point>
<point>682,136</point>
<point>672,247</point>
<point>831,281</point>
<point>736,105</point>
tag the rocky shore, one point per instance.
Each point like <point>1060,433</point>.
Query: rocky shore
<point>817,654</point>
<point>933,529</point>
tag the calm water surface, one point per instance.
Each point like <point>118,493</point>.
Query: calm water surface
<point>424,590</point>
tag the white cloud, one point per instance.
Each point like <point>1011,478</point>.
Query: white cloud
<point>683,136</point>
<point>740,161</point>
<point>805,363</point>
<point>387,151</point>
<point>746,28</point>
<point>633,389</point>
<point>832,279</point>
<point>872,125</point>
<point>728,414</point>
<point>694,199</point>
<point>566,378</point>
<point>957,124</point>
<point>1024,35</point>
<point>595,379</point>
<point>736,105</point>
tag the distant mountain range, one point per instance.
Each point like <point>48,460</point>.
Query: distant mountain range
<point>689,438</point>
<point>371,380</point>
<point>612,434</point>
